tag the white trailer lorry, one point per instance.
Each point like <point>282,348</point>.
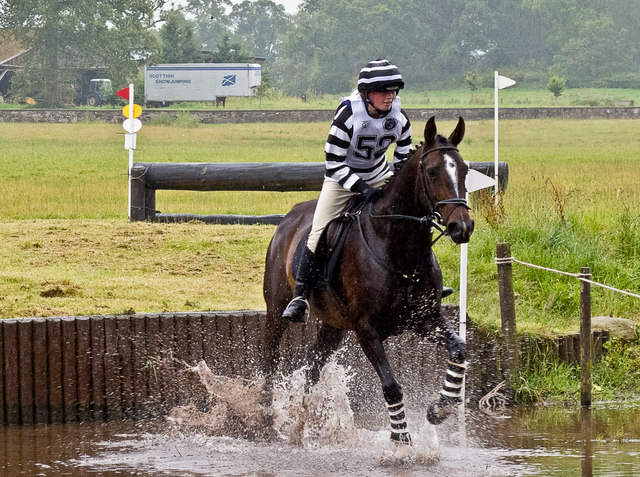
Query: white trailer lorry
<point>200,81</point>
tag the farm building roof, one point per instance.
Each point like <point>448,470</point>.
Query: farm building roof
<point>10,49</point>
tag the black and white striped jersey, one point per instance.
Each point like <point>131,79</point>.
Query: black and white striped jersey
<point>357,143</point>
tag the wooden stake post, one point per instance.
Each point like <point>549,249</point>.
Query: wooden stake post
<point>585,338</point>
<point>507,309</point>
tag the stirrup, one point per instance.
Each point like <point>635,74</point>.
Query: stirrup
<point>296,310</point>
<point>446,291</point>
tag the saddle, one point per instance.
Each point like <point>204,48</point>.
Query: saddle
<point>329,251</point>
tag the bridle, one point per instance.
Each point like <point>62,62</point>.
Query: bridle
<point>427,190</point>
<point>432,220</point>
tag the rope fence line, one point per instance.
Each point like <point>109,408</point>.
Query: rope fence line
<point>579,276</point>
<point>504,261</point>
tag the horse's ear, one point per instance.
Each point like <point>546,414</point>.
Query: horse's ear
<point>430,131</point>
<point>458,132</point>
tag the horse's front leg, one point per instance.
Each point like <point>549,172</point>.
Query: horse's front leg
<point>451,392</point>
<point>371,344</point>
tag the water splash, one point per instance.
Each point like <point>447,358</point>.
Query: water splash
<point>317,418</point>
<point>321,416</point>
<point>230,406</point>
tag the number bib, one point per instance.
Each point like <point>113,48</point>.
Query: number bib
<point>372,137</point>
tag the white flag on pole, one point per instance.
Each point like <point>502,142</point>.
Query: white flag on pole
<point>499,82</point>
<point>477,180</point>
<point>504,82</point>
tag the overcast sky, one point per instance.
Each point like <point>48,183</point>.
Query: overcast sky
<point>291,6</point>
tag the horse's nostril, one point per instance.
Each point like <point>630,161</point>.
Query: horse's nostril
<point>460,231</point>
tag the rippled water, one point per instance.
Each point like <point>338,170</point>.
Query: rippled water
<point>317,434</point>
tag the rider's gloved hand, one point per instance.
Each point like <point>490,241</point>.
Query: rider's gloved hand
<point>370,194</point>
<point>397,165</point>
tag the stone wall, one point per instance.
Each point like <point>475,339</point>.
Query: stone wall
<point>220,116</point>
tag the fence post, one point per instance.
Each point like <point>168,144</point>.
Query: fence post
<point>507,308</point>
<point>585,337</point>
<point>139,207</point>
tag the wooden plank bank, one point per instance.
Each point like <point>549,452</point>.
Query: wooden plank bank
<point>115,367</point>
<point>85,368</point>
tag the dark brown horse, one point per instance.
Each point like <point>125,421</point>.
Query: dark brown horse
<point>388,280</point>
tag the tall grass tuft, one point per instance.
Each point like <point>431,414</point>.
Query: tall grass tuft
<point>560,195</point>
<point>618,372</point>
<point>543,377</point>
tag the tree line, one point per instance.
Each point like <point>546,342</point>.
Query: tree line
<point>588,43</point>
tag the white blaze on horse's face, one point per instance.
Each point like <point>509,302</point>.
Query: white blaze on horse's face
<point>452,170</point>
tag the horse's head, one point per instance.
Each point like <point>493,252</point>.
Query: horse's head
<point>442,176</point>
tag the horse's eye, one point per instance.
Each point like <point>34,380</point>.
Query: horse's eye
<point>431,171</point>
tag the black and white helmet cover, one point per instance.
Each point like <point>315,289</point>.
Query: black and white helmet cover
<point>379,75</point>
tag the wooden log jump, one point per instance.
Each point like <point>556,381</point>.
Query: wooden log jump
<point>147,177</point>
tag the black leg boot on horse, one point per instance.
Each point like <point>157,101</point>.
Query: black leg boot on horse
<point>297,308</point>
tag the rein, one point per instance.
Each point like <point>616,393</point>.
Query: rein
<point>432,220</point>
<point>415,276</point>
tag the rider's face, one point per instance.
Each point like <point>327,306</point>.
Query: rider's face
<point>382,99</point>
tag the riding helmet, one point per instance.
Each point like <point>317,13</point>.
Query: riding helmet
<point>379,75</point>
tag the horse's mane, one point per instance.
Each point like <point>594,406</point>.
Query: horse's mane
<point>439,139</point>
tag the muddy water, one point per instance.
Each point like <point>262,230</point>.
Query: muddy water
<point>317,434</point>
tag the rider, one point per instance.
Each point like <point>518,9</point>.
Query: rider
<point>364,126</point>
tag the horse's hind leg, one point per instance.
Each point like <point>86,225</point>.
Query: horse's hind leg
<point>274,330</point>
<point>328,341</point>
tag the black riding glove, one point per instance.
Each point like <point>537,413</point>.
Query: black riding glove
<point>398,165</point>
<point>370,194</point>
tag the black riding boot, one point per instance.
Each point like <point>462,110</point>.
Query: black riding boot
<point>297,308</point>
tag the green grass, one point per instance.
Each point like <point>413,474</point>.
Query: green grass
<point>55,267</point>
<point>573,200</point>
<point>616,376</point>
<point>518,96</point>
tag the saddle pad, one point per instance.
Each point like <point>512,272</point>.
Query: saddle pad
<point>329,251</point>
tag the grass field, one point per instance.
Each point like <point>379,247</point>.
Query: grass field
<point>68,248</point>
<point>516,96</point>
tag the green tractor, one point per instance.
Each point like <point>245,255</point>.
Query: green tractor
<point>100,92</point>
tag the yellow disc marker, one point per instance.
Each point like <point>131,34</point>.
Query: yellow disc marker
<point>137,111</point>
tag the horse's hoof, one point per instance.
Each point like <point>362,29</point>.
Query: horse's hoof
<point>446,291</point>
<point>401,438</point>
<point>440,410</point>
